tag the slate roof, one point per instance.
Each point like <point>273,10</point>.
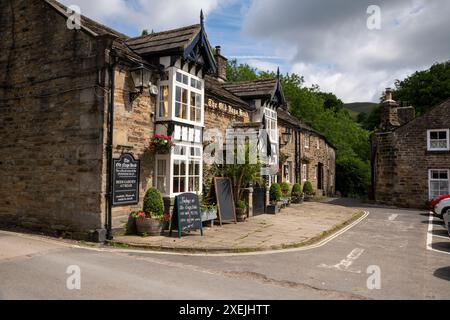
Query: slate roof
<point>251,89</point>
<point>215,88</point>
<point>172,41</point>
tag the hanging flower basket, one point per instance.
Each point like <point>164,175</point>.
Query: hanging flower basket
<point>161,144</point>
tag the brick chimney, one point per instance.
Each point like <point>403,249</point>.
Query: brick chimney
<point>389,112</point>
<point>221,65</point>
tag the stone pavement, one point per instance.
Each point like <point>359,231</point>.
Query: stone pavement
<point>295,226</point>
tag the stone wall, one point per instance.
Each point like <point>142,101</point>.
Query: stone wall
<point>401,161</point>
<point>51,121</point>
<point>133,128</point>
<point>313,156</point>
<point>325,155</point>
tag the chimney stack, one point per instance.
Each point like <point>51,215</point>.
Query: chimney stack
<point>222,63</point>
<point>389,112</point>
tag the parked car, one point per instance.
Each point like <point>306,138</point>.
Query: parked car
<point>434,202</point>
<point>442,207</point>
<point>447,220</point>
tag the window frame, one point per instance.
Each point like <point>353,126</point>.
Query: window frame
<point>190,89</point>
<point>430,180</point>
<point>307,141</point>
<point>429,132</point>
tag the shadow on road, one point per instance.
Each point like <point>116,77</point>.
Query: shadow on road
<point>443,273</point>
<point>441,246</point>
<point>434,222</point>
<point>441,233</point>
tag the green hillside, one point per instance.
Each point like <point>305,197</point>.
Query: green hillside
<point>359,107</point>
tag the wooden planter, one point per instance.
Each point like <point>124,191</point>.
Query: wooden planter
<point>149,226</point>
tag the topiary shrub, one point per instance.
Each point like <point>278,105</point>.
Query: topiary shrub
<point>285,189</point>
<point>296,190</point>
<point>308,188</point>
<point>275,192</point>
<point>154,204</point>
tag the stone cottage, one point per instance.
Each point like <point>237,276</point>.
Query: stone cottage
<point>78,103</point>
<point>411,156</point>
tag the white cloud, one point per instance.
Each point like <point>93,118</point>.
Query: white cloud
<point>334,48</point>
<point>154,15</point>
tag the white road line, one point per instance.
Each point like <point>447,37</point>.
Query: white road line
<point>345,264</point>
<point>112,250</point>
<point>430,235</point>
<point>393,217</point>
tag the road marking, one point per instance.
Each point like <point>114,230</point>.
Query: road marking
<point>430,235</point>
<point>393,217</point>
<point>143,251</point>
<point>345,264</point>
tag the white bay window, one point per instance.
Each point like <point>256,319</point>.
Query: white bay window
<point>180,103</point>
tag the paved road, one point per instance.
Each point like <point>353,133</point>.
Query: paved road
<point>390,243</point>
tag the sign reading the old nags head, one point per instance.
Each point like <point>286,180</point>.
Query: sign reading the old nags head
<point>126,180</point>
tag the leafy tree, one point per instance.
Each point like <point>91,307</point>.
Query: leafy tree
<point>144,32</point>
<point>425,89</point>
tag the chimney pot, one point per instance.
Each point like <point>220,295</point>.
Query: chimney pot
<point>388,96</point>
<point>218,50</point>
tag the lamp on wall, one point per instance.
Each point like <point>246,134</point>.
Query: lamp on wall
<point>286,136</point>
<point>141,78</point>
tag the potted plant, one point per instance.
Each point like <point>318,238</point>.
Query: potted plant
<point>275,198</point>
<point>308,191</point>
<point>286,191</point>
<point>241,211</point>
<point>161,144</point>
<point>150,220</point>
<point>209,211</point>
<point>297,194</point>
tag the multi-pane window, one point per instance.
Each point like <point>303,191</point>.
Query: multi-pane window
<point>306,141</point>
<point>179,176</point>
<point>439,183</point>
<point>305,172</point>
<point>194,175</point>
<point>196,107</point>
<point>161,174</point>
<point>188,97</point>
<point>271,124</point>
<point>181,103</point>
<point>163,110</point>
<point>438,140</point>
<point>317,142</point>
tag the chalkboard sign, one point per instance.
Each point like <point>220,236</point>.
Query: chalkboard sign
<point>186,215</point>
<point>225,200</point>
<point>126,172</point>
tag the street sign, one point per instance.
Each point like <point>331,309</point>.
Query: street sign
<point>126,173</point>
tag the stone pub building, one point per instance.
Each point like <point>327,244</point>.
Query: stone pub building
<point>75,101</point>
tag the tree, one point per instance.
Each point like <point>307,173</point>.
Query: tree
<point>425,89</point>
<point>144,32</point>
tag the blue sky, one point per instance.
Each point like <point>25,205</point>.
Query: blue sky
<point>325,41</point>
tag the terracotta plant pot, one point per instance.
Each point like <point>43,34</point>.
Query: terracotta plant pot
<point>149,226</point>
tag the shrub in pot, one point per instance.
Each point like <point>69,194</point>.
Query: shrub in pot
<point>297,193</point>
<point>275,195</point>
<point>308,190</point>
<point>150,220</point>
<point>286,191</point>
<point>241,211</point>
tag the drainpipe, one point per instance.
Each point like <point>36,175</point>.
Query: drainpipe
<point>109,148</point>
